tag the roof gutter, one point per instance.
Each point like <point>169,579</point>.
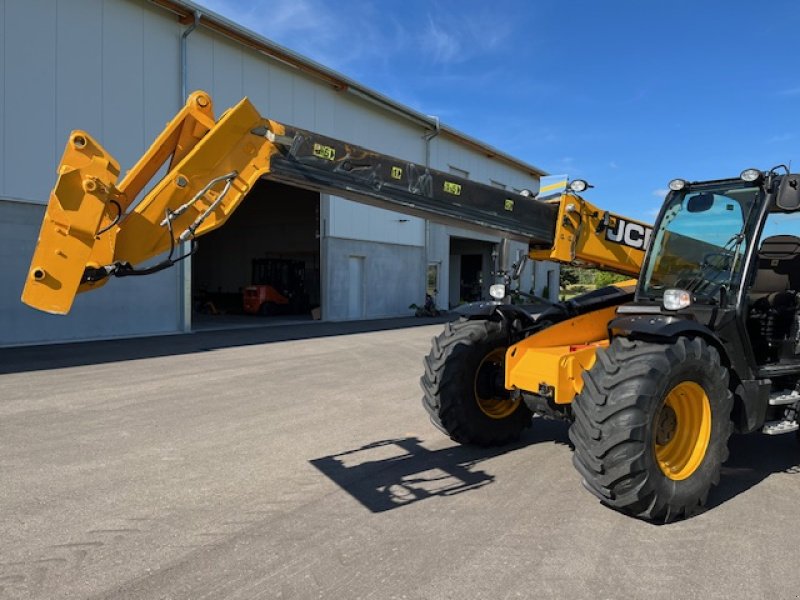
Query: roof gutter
<point>185,53</point>
<point>428,137</point>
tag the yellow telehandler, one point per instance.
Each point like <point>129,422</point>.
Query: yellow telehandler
<point>653,374</point>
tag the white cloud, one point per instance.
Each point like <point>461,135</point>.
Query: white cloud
<point>315,29</point>
<point>613,165</point>
<point>345,38</point>
<point>781,137</point>
<point>440,45</point>
<point>660,193</point>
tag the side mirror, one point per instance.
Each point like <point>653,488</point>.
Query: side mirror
<point>789,193</point>
<point>700,203</point>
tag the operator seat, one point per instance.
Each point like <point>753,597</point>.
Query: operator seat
<point>772,319</point>
<point>778,269</point>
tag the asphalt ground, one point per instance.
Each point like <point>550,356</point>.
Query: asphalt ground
<point>299,463</point>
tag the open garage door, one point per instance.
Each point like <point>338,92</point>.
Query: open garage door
<point>471,265</point>
<point>265,263</point>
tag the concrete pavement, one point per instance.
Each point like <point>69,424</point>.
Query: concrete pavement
<point>285,465</point>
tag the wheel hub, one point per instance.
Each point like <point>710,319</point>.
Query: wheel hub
<point>666,426</point>
<point>682,430</point>
<point>490,394</point>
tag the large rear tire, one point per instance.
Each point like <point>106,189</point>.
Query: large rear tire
<point>463,385</point>
<point>652,425</point>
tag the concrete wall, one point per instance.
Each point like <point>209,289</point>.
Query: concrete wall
<point>392,279</point>
<point>123,307</point>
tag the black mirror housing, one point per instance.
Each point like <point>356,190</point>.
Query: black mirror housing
<point>789,193</point>
<point>699,203</point>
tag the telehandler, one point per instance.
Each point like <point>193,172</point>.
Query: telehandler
<point>654,374</point>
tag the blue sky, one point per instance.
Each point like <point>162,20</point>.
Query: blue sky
<point>627,94</point>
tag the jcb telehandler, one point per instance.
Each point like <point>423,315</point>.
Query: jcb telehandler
<point>654,375</point>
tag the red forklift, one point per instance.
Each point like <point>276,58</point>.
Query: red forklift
<point>278,288</point>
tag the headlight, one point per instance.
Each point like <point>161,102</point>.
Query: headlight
<point>676,299</point>
<point>578,186</point>
<point>750,175</point>
<point>676,185</point>
<point>497,291</point>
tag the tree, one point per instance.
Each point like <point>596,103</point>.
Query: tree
<point>569,276</point>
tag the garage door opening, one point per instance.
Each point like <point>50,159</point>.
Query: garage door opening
<point>471,266</point>
<point>263,265</point>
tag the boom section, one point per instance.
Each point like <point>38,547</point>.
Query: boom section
<point>95,227</point>
<point>199,169</point>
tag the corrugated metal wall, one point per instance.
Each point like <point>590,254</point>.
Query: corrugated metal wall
<point>109,67</point>
<point>112,67</point>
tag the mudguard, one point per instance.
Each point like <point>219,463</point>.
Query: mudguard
<point>528,314</point>
<point>660,327</point>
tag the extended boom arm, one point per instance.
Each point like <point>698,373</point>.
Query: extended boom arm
<point>93,228</point>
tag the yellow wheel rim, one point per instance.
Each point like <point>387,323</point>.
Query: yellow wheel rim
<point>493,405</point>
<point>682,430</point>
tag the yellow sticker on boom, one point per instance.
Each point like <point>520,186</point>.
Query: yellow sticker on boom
<point>397,172</point>
<point>326,152</point>
<point>452,188</point>
<point>509,204</point>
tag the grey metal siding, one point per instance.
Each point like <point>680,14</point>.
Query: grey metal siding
<point>112,68</point>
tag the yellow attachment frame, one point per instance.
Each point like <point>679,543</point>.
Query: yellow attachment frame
<point>78,204</point>
<point>586,235</point>
<point>551,362</point>
<point>212,165</point>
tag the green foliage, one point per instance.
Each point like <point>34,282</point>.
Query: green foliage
<point>583,279</point>
<point>569,276</point>
<point>604,278</point>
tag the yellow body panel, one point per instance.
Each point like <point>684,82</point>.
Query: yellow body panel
<point>553,360</point>
<point>586,235</point>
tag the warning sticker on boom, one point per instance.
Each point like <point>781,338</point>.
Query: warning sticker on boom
<point>326,152</point>
<point>452,188</point>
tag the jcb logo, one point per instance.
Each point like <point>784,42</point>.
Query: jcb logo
<point>627,233</point>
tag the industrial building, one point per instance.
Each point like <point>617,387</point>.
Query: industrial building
<point>120,69</point>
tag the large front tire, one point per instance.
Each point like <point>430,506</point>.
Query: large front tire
<point>463,385</point>
<point>652,425</point>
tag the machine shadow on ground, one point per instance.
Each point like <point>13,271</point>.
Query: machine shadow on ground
<point>390,474</point>
<point>753,458</point>
<point>55,356</point>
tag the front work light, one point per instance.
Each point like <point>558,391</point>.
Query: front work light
<point>676,185</point>
<point>750,175</point>
<point>497,291</point>
<point>579,185</point>
<point>676,299</point>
